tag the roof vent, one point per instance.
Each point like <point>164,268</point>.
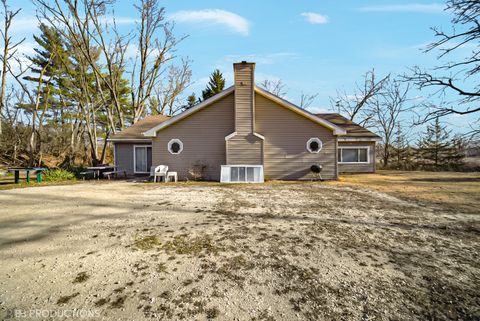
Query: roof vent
<point>244,62</point>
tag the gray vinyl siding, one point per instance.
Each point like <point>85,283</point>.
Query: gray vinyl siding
<point>124,156</point>
<point>245,150</point>
<point>244,98</point>
<point>359,168</point>
<point>286,135</point>
<point>203,137</point>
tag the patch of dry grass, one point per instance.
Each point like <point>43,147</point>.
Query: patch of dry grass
<point>7,183</point>
<point>453,190</point>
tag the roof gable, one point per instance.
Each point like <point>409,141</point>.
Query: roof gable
<point>152,132</point>
<point>337,130</point>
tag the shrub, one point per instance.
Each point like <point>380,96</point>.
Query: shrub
<point>58,175</point>
<point>76,170</point>
<point>197,171</point>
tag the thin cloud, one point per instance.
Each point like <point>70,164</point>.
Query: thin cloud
<point>315,18</point>
<point>118,20</point>
<point>407,7</point>
<point>227,19</point>
<point>24,50</point>
<point>25,23</point>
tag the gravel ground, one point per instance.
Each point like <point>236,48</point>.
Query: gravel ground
<point>278,251</point>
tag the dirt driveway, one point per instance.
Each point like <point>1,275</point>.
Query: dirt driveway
<point>279,251</point>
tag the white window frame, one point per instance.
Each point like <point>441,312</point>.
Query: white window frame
<point>320,145</point>
<point>134,159</point>
<point>358,154</point>
<point>226,171</point>
<point>171,142</point>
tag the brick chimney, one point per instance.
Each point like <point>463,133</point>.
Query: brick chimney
<point>244,97</point>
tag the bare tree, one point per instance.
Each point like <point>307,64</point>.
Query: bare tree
<point>357,106</point>
<point>34,105</point>
<point>83,24</point>
<point>9,50</point>
<point>154,54</point>
<point>465,33</point>
<point>168,93</point>
<point>13,136</point>
<point>306,100</point>
<point>387,109</point>
<point>276,87</point>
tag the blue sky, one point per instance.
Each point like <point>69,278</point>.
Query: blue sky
<point>313,46</point>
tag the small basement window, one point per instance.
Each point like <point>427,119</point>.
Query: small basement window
<point>314,145</point>
<point>175,146</point>
<point>353,155</point>
<point>241,174</point>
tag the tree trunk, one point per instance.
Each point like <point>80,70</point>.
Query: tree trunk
<point>104,149</point>
<point>4,78</point>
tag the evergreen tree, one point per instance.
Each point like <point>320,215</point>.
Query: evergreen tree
<point>437,149</point>
<point>51,51</point>
<point>400,150</point>
<point>456,153</point>
<point>215,85</point>
<point>191,101</point>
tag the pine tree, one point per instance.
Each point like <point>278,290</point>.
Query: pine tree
<point>437,149</point>
<point>215,85</point>
<point>456,153</point>
<point>51,51</point>
<point>191,101</point>
<point>400,150</point>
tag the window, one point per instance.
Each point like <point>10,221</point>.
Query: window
<point>353,155</point>
<point>314,145</point>
<point>142,159</point>
<point>242,174</point>
<point>175,146</point>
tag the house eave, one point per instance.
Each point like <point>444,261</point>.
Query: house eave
<point>129,140</point>
<point>359,139</point>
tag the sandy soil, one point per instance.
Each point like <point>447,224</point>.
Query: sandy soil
<point>309,251</point>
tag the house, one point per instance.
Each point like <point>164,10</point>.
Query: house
<point>246,133</point>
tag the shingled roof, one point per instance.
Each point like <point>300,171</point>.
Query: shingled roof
<point>353,130</point>
<point>135,132</point>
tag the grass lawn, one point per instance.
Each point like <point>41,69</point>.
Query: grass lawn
<point>384,246</point>
<point>8,182</point>
<point>449,190</point>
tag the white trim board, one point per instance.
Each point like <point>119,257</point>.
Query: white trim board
<point>130,140</point>
<point>359,139</point>
<point>230,136</point>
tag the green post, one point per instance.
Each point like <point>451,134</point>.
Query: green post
<point>17,177</point>
<point>39,176</point>
<point>28,176</point>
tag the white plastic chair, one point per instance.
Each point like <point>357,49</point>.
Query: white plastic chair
<point>159,171</point>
